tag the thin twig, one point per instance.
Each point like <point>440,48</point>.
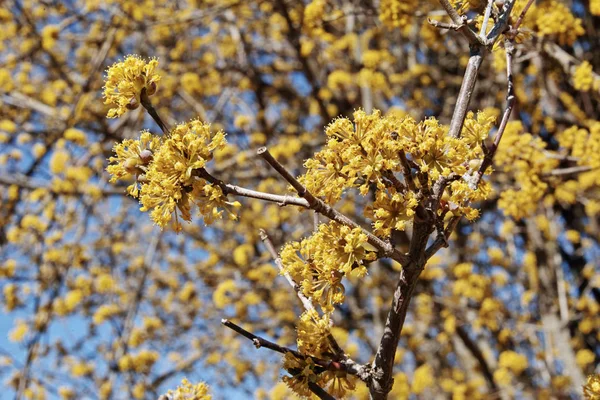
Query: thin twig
<point>510,102</point>
<point>569,171</point>
<point>259,342</point>
<point>486,19</point>
<point>522,15</point>
<point>442,25</point>
<point>319,391</point>
<point>306,302</point>
<point>240,191</point>
<point>461,23</point>
<point>147,104</point>
<point>386,249</point>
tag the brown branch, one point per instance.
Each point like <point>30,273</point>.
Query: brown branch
<point>386,249</point>
<point>147,104</point>
<point>442,25</point>
<point>326,365</point>
<point>441,239</point>
<point>319,391</point>
<point>382,367</point>
<point>461,24</point>
<point>478,354</point>
<point>510,102</point>
<point>522,15</point>
<point>240,191</point>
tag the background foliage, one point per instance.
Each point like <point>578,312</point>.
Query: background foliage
<point>99,303</point>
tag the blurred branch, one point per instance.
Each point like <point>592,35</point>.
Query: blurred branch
<point>25,182</point>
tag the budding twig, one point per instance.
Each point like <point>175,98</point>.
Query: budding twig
<point>386,249</point>
<point>259,342</point>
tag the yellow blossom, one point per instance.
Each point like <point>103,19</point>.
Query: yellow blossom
<point>189,391</point>
<point>133,158</point>
<point>173,177</point>
<point>423,378</point>
<point>313,331</point>
<point>397,13</point>
<point>591,390</point>
<point>584,357</point>
<point>583,78</point>
<point>302,371</point>
<point>125,81</point>
<point>17,334</point>
<point>104,312</point>
<point>75,136</point>
<point>515,362</point>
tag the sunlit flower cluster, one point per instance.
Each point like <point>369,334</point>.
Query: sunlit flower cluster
<point>167,172</point>
<point>303,373</point>
<point>125,81</point>
<point>583,144</point>
<point>367,154</point>
<point>595,7</point>
<point>188,391</point>
<point>396,13</point>
<point>320,261</point>
<point>133,157</point>
<point>551,18</point>
<point>584,79</point>
<point>523,155</point>
<point>591,390</point>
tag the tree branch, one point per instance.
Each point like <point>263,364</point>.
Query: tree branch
<point>386,249</point>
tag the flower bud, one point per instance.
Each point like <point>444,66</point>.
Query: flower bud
<point>133,104</point>
<point>130,165</point>
<point>141,178</point>
<point>146,156</point>
<point>151,88</point>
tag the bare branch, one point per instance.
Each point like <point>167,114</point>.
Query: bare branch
<point>510,102</point>
<point>570,171</point>
<point>461,24</point>
<point>326,365</point>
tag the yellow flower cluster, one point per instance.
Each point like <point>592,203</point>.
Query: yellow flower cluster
<point>513,361</point>
<point>320,261</point>
<point>366,153</point>
<point>132,159</point>
<point>125,81</point>
<point>552,18</point>
<point>584,144</point>
<point>141,362</point>
<point>167,173</point>
<point>523,155</point>
<point>312,333</point>
<point>583,78</point>
<point>397,13</point>
<point>189,391</point>
<point>313,15</point>
<point>591,390</point>
<point>304,371</point>
<point>595,7</point>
